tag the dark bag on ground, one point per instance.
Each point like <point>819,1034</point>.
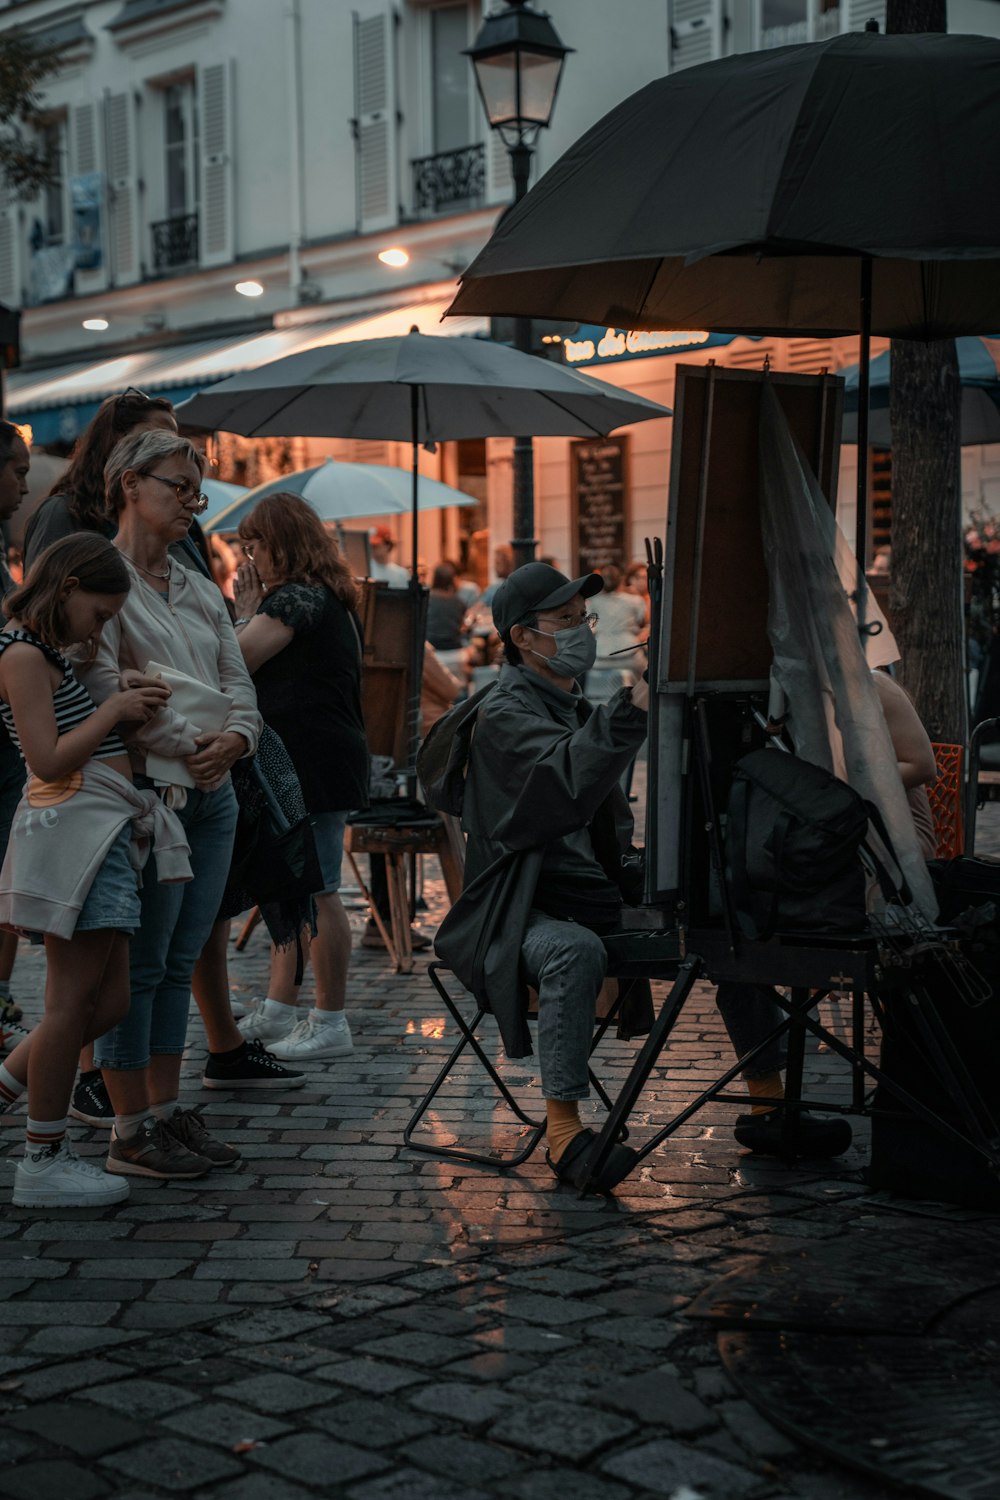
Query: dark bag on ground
<point>793,840</point>
<point>909,1157</point>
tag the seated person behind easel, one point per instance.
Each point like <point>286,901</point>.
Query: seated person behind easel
<point>547,827</point>
<point>750,1011</point>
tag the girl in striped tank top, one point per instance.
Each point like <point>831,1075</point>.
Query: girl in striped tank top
<point>74,587</point>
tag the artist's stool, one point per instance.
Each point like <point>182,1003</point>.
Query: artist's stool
<point>397,842</point>
<point>468,1024</point>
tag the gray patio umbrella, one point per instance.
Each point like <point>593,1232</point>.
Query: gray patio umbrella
<point>847,186</point>
<point>416,389</point>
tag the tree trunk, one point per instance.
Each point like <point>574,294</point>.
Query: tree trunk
<point>925,596</point>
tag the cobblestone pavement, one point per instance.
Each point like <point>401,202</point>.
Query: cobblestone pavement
<point>345,1317</point>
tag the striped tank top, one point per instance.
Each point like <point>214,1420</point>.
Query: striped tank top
<point>71,702</point>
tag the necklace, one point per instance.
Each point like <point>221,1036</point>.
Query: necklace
<point>151,571</point>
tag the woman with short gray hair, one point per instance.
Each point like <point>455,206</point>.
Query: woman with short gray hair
<point>177,619</point>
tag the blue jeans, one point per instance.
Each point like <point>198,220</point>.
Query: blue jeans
<point>749,1012</point>
<point>174,927</point>
<point>566,964</point>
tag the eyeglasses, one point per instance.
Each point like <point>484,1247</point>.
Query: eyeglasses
<point>133,390</point>
<point>247,549</point>
<point>186,493</point>
<point>570,622</point>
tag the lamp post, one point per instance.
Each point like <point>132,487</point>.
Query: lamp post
<point>518,61</point>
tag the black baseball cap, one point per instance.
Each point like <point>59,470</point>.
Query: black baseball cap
<point>536,587</point>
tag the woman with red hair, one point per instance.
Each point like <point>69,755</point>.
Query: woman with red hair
<point>301,640</point>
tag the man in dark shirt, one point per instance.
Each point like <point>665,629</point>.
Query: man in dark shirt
<point>547,826</point>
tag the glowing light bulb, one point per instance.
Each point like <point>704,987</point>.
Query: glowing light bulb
<point>249,289</point>
<point>95,325</point>
<point>395,256</point>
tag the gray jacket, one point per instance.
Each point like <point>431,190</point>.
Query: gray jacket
<point>542,785</point>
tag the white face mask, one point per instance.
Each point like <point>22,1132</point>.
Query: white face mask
<point>576,650</point>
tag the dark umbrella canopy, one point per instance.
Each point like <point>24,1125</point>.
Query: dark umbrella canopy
<point>739,196</point>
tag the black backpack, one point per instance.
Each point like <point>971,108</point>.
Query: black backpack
<point>443,757</point>
<point>793,839</point>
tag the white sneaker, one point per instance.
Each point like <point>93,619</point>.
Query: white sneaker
<point>264,1026</point>
<point>315,1038</point>
<point>247,1007</point>
<point>59,1179</point>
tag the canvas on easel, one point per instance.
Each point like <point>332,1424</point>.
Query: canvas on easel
<point>712,646</point>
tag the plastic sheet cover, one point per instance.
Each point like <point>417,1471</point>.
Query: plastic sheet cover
<point>834,716</point>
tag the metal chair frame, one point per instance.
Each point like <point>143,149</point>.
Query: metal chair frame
<point>467,1028</point>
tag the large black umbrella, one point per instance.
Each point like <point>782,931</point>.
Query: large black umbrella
<point>847,186</point>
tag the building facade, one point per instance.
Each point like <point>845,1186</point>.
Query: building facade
<point>225,174</point>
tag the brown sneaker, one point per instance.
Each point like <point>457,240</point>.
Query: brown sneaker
<point>154,1152</point>
<point>188,1127</point>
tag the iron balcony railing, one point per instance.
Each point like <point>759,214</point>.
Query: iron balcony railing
<point>450,177</point>
<point>175,242</point>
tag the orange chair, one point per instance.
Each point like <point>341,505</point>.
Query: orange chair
<point>945,797</point>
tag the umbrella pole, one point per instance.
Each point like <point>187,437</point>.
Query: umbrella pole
<point>414,510</point>
<point>864,384</point>
<point>416,634</point>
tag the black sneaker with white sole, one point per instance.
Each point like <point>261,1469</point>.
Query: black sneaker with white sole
<point>251,1067</point>
<point>91,1103</point>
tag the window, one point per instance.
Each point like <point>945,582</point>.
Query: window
<point>180,140</point>
<point>451,77</point>
<point>784,23</point>
<point>53,205</point>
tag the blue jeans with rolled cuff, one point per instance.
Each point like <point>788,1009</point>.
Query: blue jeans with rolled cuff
<point>566,964</point>
<point>175,923</point>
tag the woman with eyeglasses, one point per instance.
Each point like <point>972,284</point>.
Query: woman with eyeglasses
<point>176,619</point>
<point>77,501</point>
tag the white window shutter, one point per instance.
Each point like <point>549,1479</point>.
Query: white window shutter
<point>216,219</point>
<point>123,184</point>
<point>695,32</point>
<point>856,13</point>
<point>376,134</point>
<point>11,253</point>
<point>86,159</point>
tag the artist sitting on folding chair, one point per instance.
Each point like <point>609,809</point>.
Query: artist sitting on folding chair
<point>547,828</point>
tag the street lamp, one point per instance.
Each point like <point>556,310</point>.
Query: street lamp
<point>518,61</point>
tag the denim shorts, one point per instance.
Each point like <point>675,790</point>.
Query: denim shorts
<point>328,836</point>
<point>113,899</point>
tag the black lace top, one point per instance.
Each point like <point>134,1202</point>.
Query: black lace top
<point>71,702</point>
<point>310,695</point>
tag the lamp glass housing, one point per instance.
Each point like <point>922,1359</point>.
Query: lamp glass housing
<point>518,88</point>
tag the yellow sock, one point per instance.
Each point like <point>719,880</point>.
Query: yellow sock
<point>562,1123</point>
<point>769,1087</point>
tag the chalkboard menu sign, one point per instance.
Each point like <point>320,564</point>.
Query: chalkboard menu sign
<point>599,497</point>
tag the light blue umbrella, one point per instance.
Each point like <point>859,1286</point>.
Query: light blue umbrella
<point>344,492</point>
<point>977,375</point>
<point>220,496</point>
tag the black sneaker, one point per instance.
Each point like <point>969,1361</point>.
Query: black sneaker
<point>9,1011</point>
<point>90,1101</point>
<point>809,1135</point>
<point>252,1068</point>
<point>11,1033</point>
